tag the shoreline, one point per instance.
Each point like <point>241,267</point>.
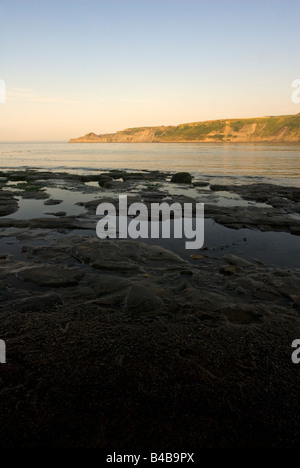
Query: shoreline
<point>263,142</point>
<point>131,344</point>
<point>261,129</point>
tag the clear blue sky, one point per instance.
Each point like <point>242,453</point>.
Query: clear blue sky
<point>75,66</point>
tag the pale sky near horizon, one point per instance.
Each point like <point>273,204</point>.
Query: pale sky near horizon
<point>78,66</point>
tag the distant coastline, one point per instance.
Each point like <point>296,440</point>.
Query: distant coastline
<point>274,129</point>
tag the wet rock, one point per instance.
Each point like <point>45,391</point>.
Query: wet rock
<point>237,261</point>
<point>186,272</point>
<point>114,184</point>
<point>6,195</point>
<point>8,209</point>
<point>38,303</point>
<point>259,262</point>
<point>6,296</point>
<point>109,284</point>
<point>196,256</point>
<point>92,205</point>
<point>288,287</point>
<point>153,196</point>
<point>52,201</point>
<point>122,255</point>
<point>89,178</point>
<point>158,254</point>
<point>8,204</point>
<point>219,188</point>
<point>5,256</point>
<point>230,270</point>
<point>34,195</point>
<point>278,202</point>
<point>103,179</point>
<point>27,234</point>
<point>200,184</point>
<point>295,230</point>
<point>241,315</point>
<point>142,300</point>
<point>63,222</point>
<point>105,255</point>
<point>59,214</point>
<point>152,175</point>
<point>109,289</point>
<point>116,174</point>
<point>10,222</point>
<point>182,178</point>
<point>50,275</point>
<point>250,284</point>
<point>266,193</point>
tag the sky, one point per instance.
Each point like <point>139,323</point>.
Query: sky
<point>71,67</point>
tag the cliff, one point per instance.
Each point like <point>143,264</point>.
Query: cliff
<point>285,128</point>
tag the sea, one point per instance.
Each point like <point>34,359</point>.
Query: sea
<point>276,163</point>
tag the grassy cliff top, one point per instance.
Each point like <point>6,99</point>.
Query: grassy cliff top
<point>284,128</point>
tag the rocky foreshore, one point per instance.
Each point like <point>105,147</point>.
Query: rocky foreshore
<point>120,343</point>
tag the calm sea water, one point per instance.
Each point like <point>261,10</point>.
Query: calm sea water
<point>280,163</point>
